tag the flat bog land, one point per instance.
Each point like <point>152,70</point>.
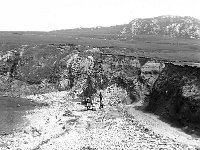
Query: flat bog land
<point>160,47</point>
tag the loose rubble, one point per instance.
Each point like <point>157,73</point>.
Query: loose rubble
<point>64,124</point>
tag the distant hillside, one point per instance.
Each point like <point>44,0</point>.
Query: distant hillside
<point>93,31</point>
<point>170,26</point>
<point>173,26</point>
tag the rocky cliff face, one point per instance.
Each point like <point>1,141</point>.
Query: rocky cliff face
<point>171,91</point>
<point>173,26</point>
<point>134,75</point>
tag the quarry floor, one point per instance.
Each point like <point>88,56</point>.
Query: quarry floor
<point>65,124</point>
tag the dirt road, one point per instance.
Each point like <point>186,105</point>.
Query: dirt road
<point>65,124</point>
<point>160,127</point>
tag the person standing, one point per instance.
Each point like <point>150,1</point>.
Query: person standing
<point>101,104</point>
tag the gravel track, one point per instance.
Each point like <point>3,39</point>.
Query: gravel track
<point>66,125</point>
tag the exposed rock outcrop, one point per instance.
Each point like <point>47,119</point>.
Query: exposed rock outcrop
<point>173,26</point>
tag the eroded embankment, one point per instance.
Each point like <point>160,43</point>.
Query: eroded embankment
<point>170,90</point>
<point>175,95</point>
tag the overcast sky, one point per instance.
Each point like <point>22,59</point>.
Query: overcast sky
<point>46,15</point>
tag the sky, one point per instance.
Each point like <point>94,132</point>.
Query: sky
<point>47,15</point>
